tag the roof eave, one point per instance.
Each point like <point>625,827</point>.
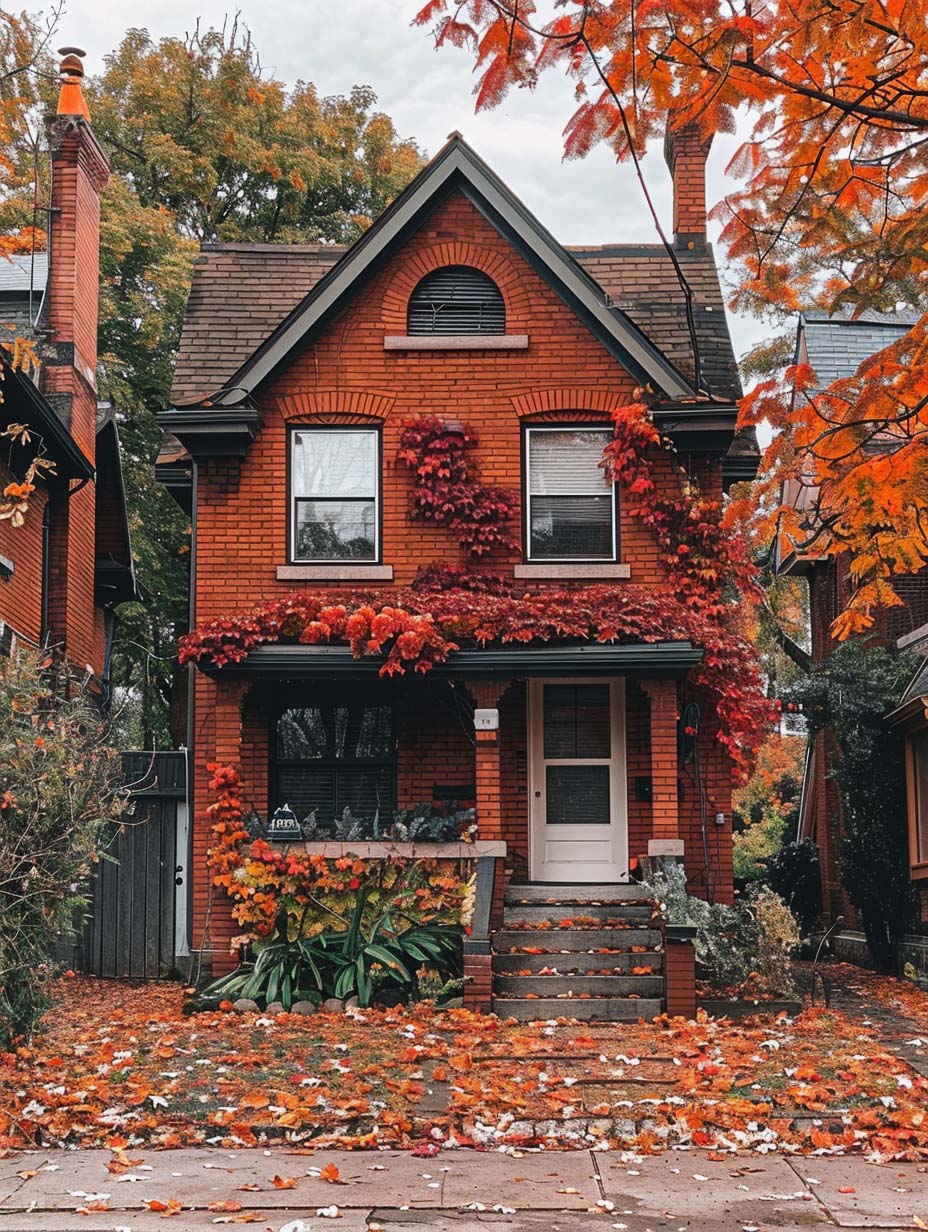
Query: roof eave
<point>212,432</point>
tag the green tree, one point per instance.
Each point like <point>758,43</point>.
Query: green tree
<point>195,125</point>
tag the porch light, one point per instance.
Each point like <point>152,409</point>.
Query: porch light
<point>284,826</point>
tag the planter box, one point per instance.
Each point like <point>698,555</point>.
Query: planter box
<point>721,1007</point>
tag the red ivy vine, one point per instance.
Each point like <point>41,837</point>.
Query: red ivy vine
<point>417,627</point>
<point>447,487</point>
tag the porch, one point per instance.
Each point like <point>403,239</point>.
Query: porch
<point>547,766</point>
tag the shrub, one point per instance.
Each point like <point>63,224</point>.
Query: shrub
<point>794,873</point>
<point>766,808</point>
<point>59,786</point>
<point>744,948</point>
<point>850,695</point>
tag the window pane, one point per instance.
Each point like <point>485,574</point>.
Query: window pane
<point>335,530</point>
<point>327,790</point>
<point>334,463</point>
<point>301,734</point>
<point>363,732</point>
<point>577,795</point>
<point>571,527</point>
<point>576,721</point>
<point>567,463</point>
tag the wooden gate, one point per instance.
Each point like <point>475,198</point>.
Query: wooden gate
<point>136,918</point>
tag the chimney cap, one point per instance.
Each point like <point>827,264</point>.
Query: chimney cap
<point>71,101</point>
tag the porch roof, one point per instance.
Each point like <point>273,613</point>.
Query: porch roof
<point>666,659</point>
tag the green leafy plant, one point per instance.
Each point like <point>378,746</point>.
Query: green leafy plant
<point>794,873</point>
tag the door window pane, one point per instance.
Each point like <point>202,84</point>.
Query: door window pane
<point>571,501</point>
<point>576,721</point>
<point>577,795</point>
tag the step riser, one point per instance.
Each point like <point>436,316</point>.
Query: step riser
<point>637,912</point>
<point>541,892</point>
<point>606,1009</point>
<point>509,964</point>
<point>548,986</point>
<point>574,940</point>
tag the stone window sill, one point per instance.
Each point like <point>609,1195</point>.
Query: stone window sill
<point>348,571</point>
<point>455,342</point>
<point>580,570</point>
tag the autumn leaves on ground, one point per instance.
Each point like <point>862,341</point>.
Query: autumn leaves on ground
<point>122,1066</point>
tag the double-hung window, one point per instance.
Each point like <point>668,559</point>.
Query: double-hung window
<point>335,494</point>
<point>570,501</point>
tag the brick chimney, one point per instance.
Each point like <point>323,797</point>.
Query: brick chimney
<point>69,359</point>
<point>686,151</point>
<point>71,308</point>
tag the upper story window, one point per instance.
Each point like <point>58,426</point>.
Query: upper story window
<point>570,503</point>
<point>456,299</point>
<point>335,494</point>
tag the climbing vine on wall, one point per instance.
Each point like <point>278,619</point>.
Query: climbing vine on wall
<point>447,488</point>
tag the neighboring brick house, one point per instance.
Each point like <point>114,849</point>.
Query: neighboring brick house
<point>298,367</point>
<point>835,346</point>
<point>64,571</point>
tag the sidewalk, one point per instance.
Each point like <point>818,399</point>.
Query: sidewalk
<point>455,1191</point>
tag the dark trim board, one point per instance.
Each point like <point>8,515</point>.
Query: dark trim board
<point>664,659</point>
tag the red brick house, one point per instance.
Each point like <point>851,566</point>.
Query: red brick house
<point>298,368</point>
<point>64,571</point>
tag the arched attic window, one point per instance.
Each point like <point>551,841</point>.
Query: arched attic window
<point>456,299</point>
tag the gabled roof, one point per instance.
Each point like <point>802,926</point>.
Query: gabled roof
<point>456,168</point>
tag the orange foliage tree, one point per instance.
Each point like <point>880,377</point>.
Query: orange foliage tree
<point>833,100</point>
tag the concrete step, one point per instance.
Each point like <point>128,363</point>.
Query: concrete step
<point>573,940</point>
<point>516,913</point>
<point>548,986</point>
<point>567,964</point>
<point>543,892</point>
<point>591,1009</point>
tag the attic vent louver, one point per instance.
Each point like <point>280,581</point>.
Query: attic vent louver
<point>456,299</point>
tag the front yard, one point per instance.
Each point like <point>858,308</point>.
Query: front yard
<point>120,1066</point>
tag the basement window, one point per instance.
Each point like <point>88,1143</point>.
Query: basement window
<point>570,502</point>
<point>335,494</point>
<point>456,300</point>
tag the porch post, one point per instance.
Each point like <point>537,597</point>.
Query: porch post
<point>488,793</point>
<point>227,750</point>
<point>665,820</point>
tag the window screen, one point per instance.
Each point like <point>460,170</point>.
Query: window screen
<point>334,484</point>
<point>920,758</point>
<point>456,299</point>
<point>571,503</point>
<point>334,755</point>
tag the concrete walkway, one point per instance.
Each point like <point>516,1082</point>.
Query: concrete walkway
<point>455,1191</point>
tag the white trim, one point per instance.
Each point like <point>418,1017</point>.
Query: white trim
<point>610,491</point>
<point>615,868</point>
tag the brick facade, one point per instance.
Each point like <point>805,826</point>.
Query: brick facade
<point>345,375</point>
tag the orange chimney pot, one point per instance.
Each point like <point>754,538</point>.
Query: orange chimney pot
<point>71,99</point>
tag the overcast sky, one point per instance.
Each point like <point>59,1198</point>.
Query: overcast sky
<point>428,93</point>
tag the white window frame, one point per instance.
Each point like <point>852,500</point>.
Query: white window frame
<point>308,429</point>
<point>527,487</point>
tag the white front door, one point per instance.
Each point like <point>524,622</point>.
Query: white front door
<point>577,781</point>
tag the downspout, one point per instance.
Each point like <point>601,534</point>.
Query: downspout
<point>191,690</point>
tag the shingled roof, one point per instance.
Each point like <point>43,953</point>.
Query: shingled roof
<point>250,303</point>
